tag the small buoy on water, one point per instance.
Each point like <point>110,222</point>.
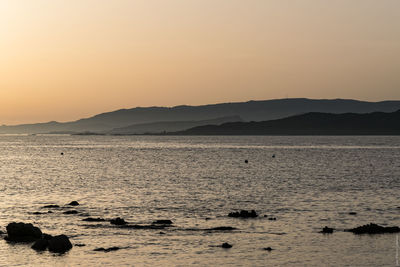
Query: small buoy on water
<point>246,161</point>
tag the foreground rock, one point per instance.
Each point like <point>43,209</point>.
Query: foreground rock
<point>59,244</point>
<point>243,214</point>
<point>373,228</point>
<point>70,212</point>
<point>118,221</point>
<point>73,203</point>
<point>22,232</point>
<point>94,219</point>
<point>40,244</point>
<point>226,245</point>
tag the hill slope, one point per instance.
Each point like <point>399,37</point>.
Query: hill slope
<point>376,123</point>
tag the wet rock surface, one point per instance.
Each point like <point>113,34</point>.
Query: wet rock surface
<point>40,244</point>
<point>22,232</point>
<point>59,244</point>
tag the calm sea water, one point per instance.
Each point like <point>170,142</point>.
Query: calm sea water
<point>195,182</point>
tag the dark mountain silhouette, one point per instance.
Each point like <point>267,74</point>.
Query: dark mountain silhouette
<point>248,111</point>
<point>170,126</point>
<point>314,123</point>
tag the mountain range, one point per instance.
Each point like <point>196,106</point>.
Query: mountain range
<point>165,117</point>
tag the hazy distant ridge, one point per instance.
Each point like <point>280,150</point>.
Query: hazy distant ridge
<point>170,126</point>
<point>248,111</point>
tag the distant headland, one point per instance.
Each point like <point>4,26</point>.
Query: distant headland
<point>252,116</point>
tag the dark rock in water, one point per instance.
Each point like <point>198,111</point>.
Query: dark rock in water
<point>51,206</point>
<point>59,244</point>
<point>40,244</point>
<point>243,214</point>
<point>268,249</point>
<point>226,245</point>
<point>352,213</point>
<point>70,212</point>
<point>74,203</point>
<point>327,230</point>
<point>118,221</point>
<point>161,233</point>
<point>373,228</point>
<point>207,218</point>
<point>107,249</point>
<point>94,220</point>
<point>46,236</point>
<point>22,232</point>
<point>38,213</point>
<point>272,219</point>
<point>222,228</point>
<point>79,245</point>
<point>162,222</point>
<point>49,211</point>
<point>246,161</point>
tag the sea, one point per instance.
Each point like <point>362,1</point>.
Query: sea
<point>296,184</point>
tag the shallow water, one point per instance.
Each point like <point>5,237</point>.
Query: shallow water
<point>195,182</point>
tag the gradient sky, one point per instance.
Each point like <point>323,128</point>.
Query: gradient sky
<point>64,60</point>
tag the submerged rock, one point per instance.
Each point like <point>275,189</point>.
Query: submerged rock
<point>94,220</point>
<point>107,249</point>
<point>373,228</point>
<point>52,206</point>
<point>22,232</point>
<point>327,230</point>
<point>243,214</point>
<point>226,245</point>
<point>118,221</point>
<point>70,212</point>
<point>59,244</point>
<point>74,203</point>
<point>162,222</point>
<point>222,228</point>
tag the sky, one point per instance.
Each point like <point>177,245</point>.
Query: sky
<point>64,60</point>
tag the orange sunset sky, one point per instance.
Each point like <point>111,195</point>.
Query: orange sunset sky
<point>64,60</point>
